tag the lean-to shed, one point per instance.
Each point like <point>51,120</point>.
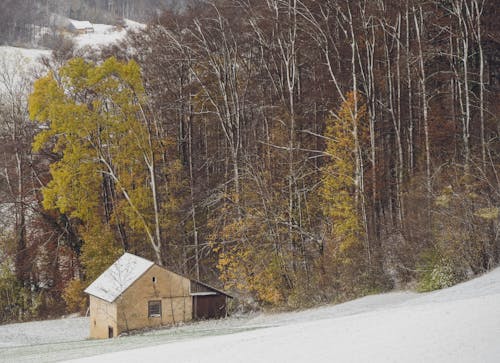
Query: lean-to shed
<point>135,293</point>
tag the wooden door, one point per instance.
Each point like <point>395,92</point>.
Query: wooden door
<point>209,307</point>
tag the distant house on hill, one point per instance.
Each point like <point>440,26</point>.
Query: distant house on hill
<point>80,27</point>
<point>135,293</point>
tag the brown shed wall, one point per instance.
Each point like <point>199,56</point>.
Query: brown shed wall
<point>130,310</point>
<point>102,316</point>
<point>171,289</point>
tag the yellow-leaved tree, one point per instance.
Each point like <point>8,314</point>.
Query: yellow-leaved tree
<point>343,258</point>
<point>110,157</point>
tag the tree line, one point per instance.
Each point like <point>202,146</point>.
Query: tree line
<point>296,151</point>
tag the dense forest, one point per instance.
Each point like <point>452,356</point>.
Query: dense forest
<point>293,152</point>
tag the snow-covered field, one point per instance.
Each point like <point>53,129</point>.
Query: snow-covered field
<point>43,332</point>
<point>458,324</point>
<point>17,65</point>
<point>29,55</point>
<point>106,34</point>
<point>103,35</point>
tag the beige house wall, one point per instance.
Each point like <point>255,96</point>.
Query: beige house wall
<point>102,316</point>
<point>171,289</point>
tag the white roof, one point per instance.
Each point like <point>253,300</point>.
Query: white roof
<point>204,293</point>
<point>118,277</point>
<point>81,24</point>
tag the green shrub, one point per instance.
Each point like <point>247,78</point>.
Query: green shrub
<point>437,272</point>
<point>15,300</point>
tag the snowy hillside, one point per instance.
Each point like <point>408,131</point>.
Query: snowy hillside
<point>103,35</point>
<point>18,64</point>
<point>18,67</point>
<point>458,324</point>
<point>21,63</point>
<point>106,34</point>
<point>29,55</point>
<point>43,332</point>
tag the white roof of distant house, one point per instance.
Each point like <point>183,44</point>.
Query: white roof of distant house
<point>81,24</point>
<point>118,277</point>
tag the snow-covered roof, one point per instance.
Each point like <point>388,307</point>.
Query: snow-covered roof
<point>211,288</point>
<point>118,277</point>
<point>204,293</point>
<point>81,24</point>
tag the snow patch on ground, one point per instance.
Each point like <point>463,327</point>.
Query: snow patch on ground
<point>134,25</point>
<point>103,35</point>
<point>30,55</point>
<point>17,67</point>
<point>18,61</point>
<point>43,332</point>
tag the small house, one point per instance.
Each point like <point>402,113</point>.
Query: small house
<point>80,27</point>
<point>135,293</point>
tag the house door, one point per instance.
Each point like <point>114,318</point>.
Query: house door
<point>110,332</point>
<point>209,307</point>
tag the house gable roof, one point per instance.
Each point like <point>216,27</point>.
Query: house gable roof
<point>81,24</point>
<point>119,277</point>
<point>124,272</point>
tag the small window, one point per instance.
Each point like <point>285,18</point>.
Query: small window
<point>154,280</point>
<point>154,308</point>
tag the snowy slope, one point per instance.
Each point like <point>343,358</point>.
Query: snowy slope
<point>43,332</point>
<point>20,64</point>
<point>458,324</point>
<point>17,65</point>
<point>29,55</point>
<point>104,34</point>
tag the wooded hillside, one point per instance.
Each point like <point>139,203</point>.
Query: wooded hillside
<point>297,151</point>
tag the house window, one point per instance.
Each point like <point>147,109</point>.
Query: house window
<point>154,279</point>
<point>154,308</point>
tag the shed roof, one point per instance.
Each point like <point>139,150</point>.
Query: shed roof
<point>81,24</point>
<point>123,273</point>
<point>118,277</point>
<point>217,291</point>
